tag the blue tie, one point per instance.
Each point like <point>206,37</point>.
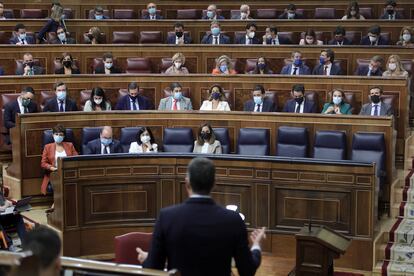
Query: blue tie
<point>376,110</point>
<point>61,106</point>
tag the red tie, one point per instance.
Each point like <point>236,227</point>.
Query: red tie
<point>174,105</point>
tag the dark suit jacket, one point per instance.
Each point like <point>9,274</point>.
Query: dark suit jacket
<point>52,105</point>
<point>94,147</point>
<point>335,70</point>
<point>187,39</point>
<point>345,42</point>
<point>15,39</point>
<point>218,17</point>
<point>10,111</point>
<point>310,107</point>
<point>282,40</point>
<point>157,16</point>
<point>37,70</point>
<point>363,71</point>
<point>268,106</point>
<point>61,71</point>
<point>242,40</point>
<point>284,16</point>
<point>397,16</point>
<point>208,39</point>
<point>381,41</point>
<point>303,70</point>
<point>199,238</point>
<point>124,103</point>
<point>386,109</point>
<point>1,71</point>
<point>68,40</point>
<point>101,70</point>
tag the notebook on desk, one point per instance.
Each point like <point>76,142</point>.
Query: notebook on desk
<point>21,206</point>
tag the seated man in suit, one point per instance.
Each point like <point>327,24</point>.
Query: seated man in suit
<point>297,67</point>
<point>29,68</point>
<point>215,37</point>
<point>23,104</point>
<point>152,12</point>
<point>290,13</point>
<point>339,37</point>
<point>176,101</point>
<point>326,64</point>
<point>374,37</point>
<point>250,37</point>
<point>105,144</point>
<point>107,67</point>
<point>133,101</point>
<point>390,12</point>
<point>271,37</point>
<point>20,37</point>
<point>244,13</point>
<point>374,68</point>
<point>213,235</point>
<point>98,13</point>
<point>259,103</point>
<point>211,13</point>
<point>180,37</point>
<point>376,107</point>
<point>62,37</point>
<point>60,103</point>
<point>299,103</point>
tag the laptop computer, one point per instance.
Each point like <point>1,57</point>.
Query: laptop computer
<point>21,206</point>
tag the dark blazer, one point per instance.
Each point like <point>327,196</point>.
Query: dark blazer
<point>386,109</point>
<point>199,237</point>
<point>397,15</point>
<point>37,70</point>
<point>61,71</point>
<point>381,41</point>
<point>285,16</point>
<point>282,40</point>
<point>310,107</point>
<point>124,103</point>
<point>1,71</point>
<point>50,26</point>
<point>94,147</point>
<point>218,17</point>
<point>187,39</point>
<point>363,71</point>
<point>208,39</point>
<point>68,40</point>
<point>10,111</point>
<point>101,70</point>
<point>147,16</point>
<point>335,70</point>
<point>52,105</point>
<point>303,70</point>
<point>345,42</point>
<point>242,40</point>
<point>268,106</point>
<point>15,39</point>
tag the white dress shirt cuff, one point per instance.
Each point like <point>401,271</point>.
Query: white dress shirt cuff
<point>256,247</point>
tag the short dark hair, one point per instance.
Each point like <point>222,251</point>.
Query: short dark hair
<point>107,55</point>
<point>291,7</point>
<point>59,129</point>
<point>28,89</point>
<point>200,141</point>
<point>98,91</point>
<point>375,29</point>
<point>178,25</point>
<point>201,174</point>
<point>57,84</point>
<point>390,3</point>
<point>98,9</point>
<point>340,30</point>
<point>377,87</point>
<point>299,87</point>
<point>330,54</point>
<point>133,85</point>
<point>19,26</point>
<point>142,130</point>
<point>175,85</point>
<point>44,243</point>
<point>251,24</point>
<point>259,87</point>
<point>273,29</point>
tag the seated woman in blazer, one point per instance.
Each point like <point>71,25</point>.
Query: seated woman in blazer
<point>144,143</point>
<point>68,66</point>
<point>338,104</point>
<point>216,101</point>
<point>206,141</point>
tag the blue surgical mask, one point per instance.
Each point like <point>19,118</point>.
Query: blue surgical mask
<point>210,14</point>
<point>58,139</point>
<point>61,95</point>
<point>297,62</point>
<point>258,100</point>
<point>177,95</point>
<point>337,100</point>
<point>152,10</point>
<point>62,36</point>
<point>215,95</point>
<point>22,36</point>
<point>322,60</point>
<point>223,68</point>
<point>106,142</point>
<point>99,17</point>
<point>215,31</point>
<point>261,66</point>
<point>108,65</point>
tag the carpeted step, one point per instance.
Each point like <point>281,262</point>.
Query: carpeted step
<point>402,232</point>
<point>406,210</point>
<point>402,253</point>
<point>390,268</point>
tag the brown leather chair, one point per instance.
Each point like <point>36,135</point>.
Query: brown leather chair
<point>313,96</point>
<point>325,13</point>
<point>91,14</point>
<point>366,12</point>
<point>387,36</point>
<point>138,66</point>
<point>85,95</point>
<point>50,37</point>
<point>124,38</point>
<point>266,14</point>
<point>165,64</point>
<point>301,12</point>
<point>5,99</point>
<point>272,95</point>
<point>150,37</point>
<point>342,65</point>
<point>188,14</point>
<point>124,14</point>
<point>68,13</point>
<point>4,37</point>
<point>361,62</point>
<point>234,13</point>
<point>353,36</point>
<point>45,96</point>
<point>319,36</point>
<point>407,65</point>
<point>33,13</point>
<point>144,12</point>
<point>390,99</point>
<point>289,35</point>
<point>351,99</point>
<point>8,13</point>
<point>250,65</point>
<point>239,34</point>
<point>185,91</point>
<point>19,64</point>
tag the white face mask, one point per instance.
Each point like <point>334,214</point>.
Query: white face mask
<point>145,139</point>
<point>406,37</point>
<point>251,34</point>
<point>309,41</point>
<point>392,66</point>
<point>177,65</point>
<point>372,38</point>
<point>62,37</point>
<point>243,15</point>
<point>97,101</point>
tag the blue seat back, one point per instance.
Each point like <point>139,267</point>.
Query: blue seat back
<point>178,140</point>
<point>292,141</point>
<point>253,141</point>
<point>330,145</point>
<point>47,137</point>
<point>128,135</point>
<point>89,134</point>
<point>222,134</point>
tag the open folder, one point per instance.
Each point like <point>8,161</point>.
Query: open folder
<point>21,206</point>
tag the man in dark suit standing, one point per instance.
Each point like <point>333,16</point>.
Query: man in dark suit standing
<point>180,36</point>
<point>199,237</point>
<point>326,66</point>
<point>299,103</point>
<point>152,12</point>
<point>339,37</point>
<point>272,38</point>
<point>259,103</point>
<point>376,107</point>
<point>373,69</point>
<point>215,37</point>
<point>105,144</point>
<point>60,103</point>
<point>29,68</point>
<point>250,37</point>
<point>374,37</point>
<point>297,67</point>
<point>23,104</point>
<point>391,12</point>
<point>134,101</point>
<point>20,38</point>
<point>62,37</point>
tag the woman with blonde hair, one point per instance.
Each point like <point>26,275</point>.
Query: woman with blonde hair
<point>406,37</point>
<point>216,100</point>
<point>223,66</point>
<point>394,67</point>
<point>52,24</point>
<point>177,68</point>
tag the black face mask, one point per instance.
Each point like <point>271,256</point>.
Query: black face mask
<point>67,63</point>
<point>133,97</point>
<point>299,100</point>
<point>375,99</point>
<point>390,12</point>
<point>90,36</point>
<point>30,64</point>
<point>205,135</point>
<point>179,34</point>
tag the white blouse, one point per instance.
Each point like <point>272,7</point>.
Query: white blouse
<point>135,148</point>
<point>222,106</point>
<point>59,154</point>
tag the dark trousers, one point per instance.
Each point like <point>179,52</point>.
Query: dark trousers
<point>15,221</point>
